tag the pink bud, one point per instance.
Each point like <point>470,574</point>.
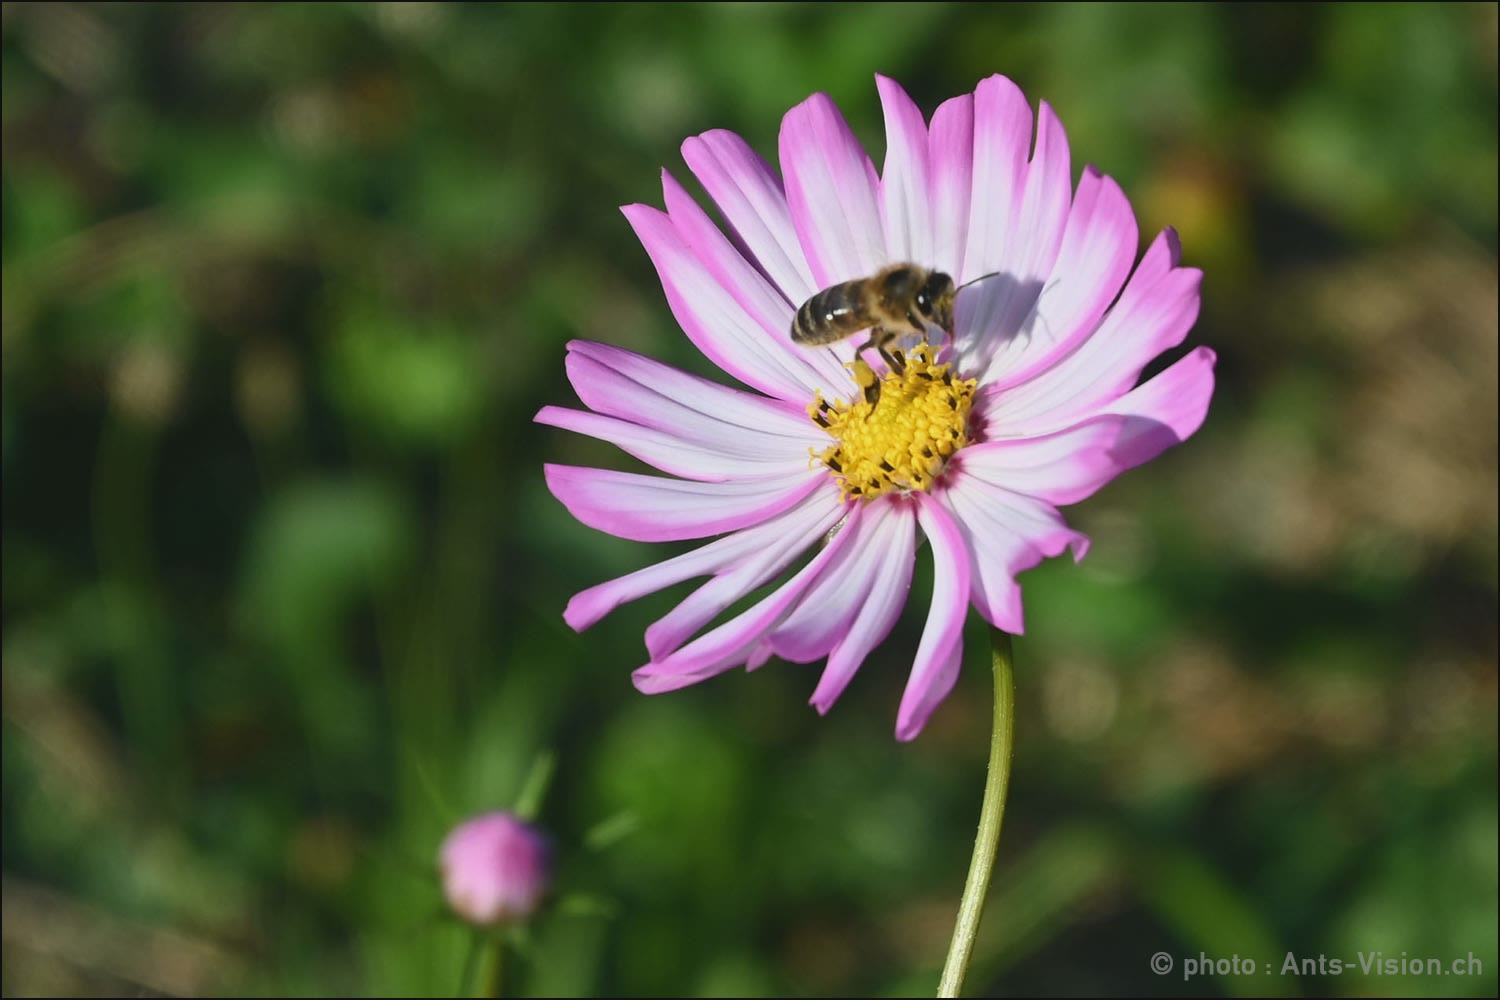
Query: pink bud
<point>495,869</point>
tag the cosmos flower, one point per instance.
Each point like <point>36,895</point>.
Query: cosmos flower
<point>495,869</point>
<point>973,444</point>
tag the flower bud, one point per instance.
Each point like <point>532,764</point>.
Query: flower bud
<point>495,869</point>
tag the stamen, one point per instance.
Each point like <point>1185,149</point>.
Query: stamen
<point>901,429</point>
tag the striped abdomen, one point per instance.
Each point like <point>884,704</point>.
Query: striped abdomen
<point>834,313</point>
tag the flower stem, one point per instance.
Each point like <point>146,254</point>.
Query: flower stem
<point>991,814</point>
<point>492,959</point>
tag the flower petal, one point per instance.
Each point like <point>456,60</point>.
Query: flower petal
<point>1016,220</point>
<point>750,197</point>
<point>785,538</point>
<point>1004,533</point>
<point>767,307</point>
<point>831,188</point>
<point>656,509</point>
<point>1042,214</point>
<point>1065,466</point>
<point>950,144</point>
<point>668,452</point>
<point>895,540</point>
<point>708,314</point>
<point>739,640</point>
<point>759,656</point>
<point>825,612</point>
<point>904,208</point>
<point>1001,139</point>
<point>633,387</point>
<point>1165,410</point>
<point>1154,313</point>
<point>1061,468</point>
<point>935,670</point>
<point>1098,248</point>
<point>777,534</point>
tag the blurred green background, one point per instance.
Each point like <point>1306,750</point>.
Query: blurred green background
<point>283,287</point>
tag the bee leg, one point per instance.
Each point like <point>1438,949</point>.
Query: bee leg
<point>880,337</point>
<point>895,359</point>
<point>866,379</point>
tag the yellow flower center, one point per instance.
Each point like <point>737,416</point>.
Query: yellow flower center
<point>901,432</point>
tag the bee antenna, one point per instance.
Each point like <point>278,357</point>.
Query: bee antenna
<point>975,281</point>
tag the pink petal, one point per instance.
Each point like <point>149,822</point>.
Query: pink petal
<point>749,196</point>
<point>951,157</point>
<point>668,452</point>
<point>904,183</point>
<point>935,669</point>
<point>1001,139</point>
<point>791,537</point>
<point>830,604</point>
<point>894,539</point>
<point>1155,311</point>
<point>831,188</point>
<point>655,509</point>
<point>737,641</point>
<point>759,656</point>
<point>766,306</point>
<point>1097,250</point>
<point>1017,218</point>
<point>709,315</point>
<point>1161,258</point>
<point>1043,211</point>
<point>778,533</point>
<point>1065,466</point>
<point>1061,468</point>
<point>1004,533</point>
<point>633,387</point>
<point>1166,410</point>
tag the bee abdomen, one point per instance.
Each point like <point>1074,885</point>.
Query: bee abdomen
<point>832,314</point>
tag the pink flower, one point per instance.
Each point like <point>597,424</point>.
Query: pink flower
<point>1032,404</point>
<point>495,869</point>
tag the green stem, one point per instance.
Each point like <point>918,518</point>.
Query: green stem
<point>991,814</point>
<point>494,966</point>
<point>471,962</point>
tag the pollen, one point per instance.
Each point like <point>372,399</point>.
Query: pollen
<point>902,429</point>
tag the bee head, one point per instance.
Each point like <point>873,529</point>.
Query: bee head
<point>935,300</point>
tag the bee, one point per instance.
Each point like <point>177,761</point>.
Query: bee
<point>896,300</point>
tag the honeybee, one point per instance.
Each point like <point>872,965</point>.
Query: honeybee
<point>896,300</point>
